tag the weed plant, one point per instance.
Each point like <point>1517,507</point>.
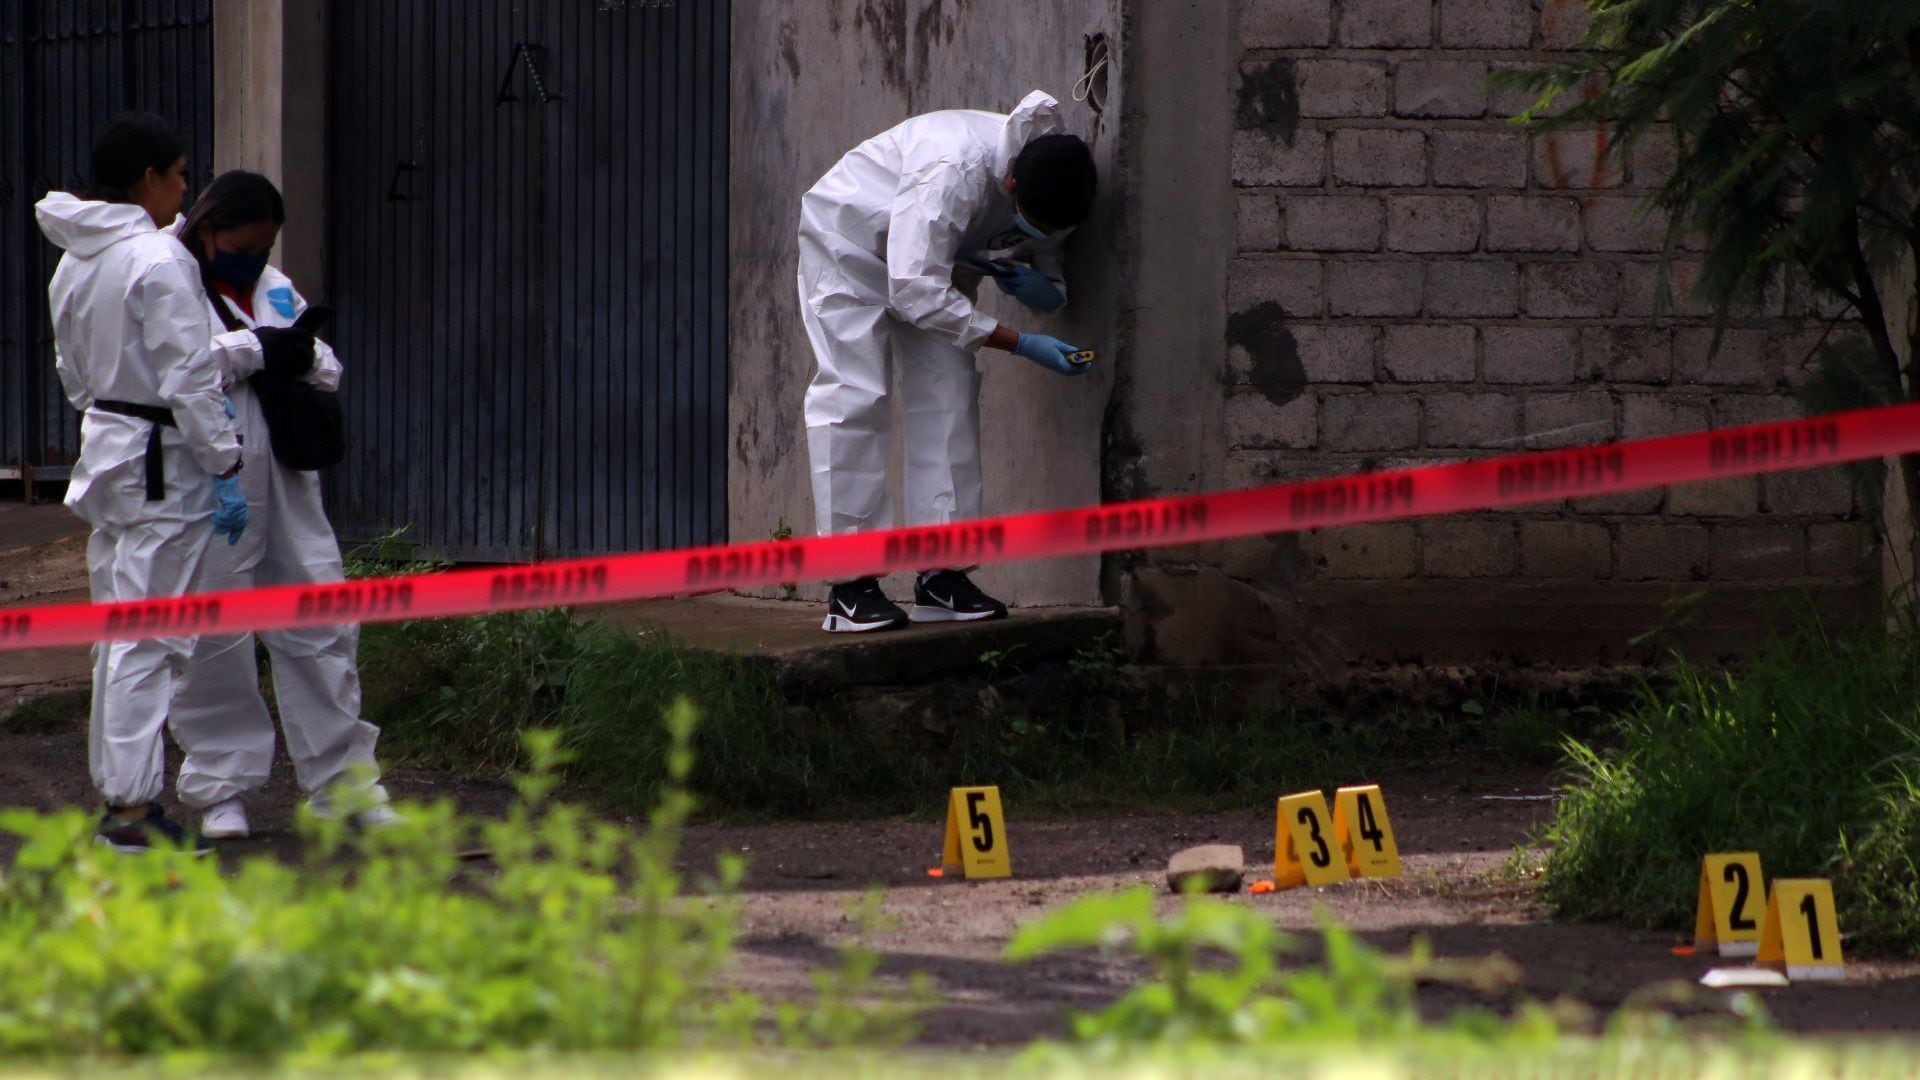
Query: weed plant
<point>1807,754</point>
<point>573,935</point>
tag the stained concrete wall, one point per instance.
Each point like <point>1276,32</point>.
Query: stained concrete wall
<point>811,81</point>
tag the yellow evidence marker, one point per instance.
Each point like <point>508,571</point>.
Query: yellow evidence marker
<point>1366,836</point>
<point>1801,934</point>
<point>1303,844</point>
<point>976,834</point>
<point>1731,901</point>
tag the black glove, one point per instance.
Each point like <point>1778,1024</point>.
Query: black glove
<point>288,351</point>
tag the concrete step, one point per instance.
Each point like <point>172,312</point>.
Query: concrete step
<point>786,635</point>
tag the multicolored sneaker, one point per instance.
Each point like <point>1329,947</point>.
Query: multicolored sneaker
<point>142,835</point>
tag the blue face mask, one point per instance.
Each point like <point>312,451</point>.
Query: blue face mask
<point>1020,222</point>
<point>240,271</point>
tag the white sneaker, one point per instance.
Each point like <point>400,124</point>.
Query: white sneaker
<point>377,816</point>
<point>225,821</point>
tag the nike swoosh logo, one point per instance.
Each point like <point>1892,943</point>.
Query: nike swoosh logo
<point>943,601</point>
<point>845,608</point>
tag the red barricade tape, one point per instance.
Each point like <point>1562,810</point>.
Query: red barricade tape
<point>1351,500</point>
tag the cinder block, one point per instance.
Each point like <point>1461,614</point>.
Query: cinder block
<point>1380,157</point>
<point>1812,493</point>
<point>1294,284</point>
<point>1574,160</point>
<point>1433,223</point>
<point>1527,355</point>
<point>1563,23</point>
<point>1744,359</point>
<point>1342,88</point>
<point>1622,224</point>
<point>1370,551</point>
<point>1259,221</point>
<point>1440,89</point>
<point>1286,24</point>
<point>1649,416</point>
<point>1469,549</point>
<point>1337,354</point>
<point>1628,354</point>
<point>1572,290</point>
<point>1576,418</point>
<point>1334,223</point>
<point>1652,159</point>
<point>1735,497</point>
<point>1255,422</point>
<point>1565,549</point>
<point>1641,290</point>
<point>1370,422</point>
<point>1736,410</point>
<point>1486,24</point>
<point>1430,353</point>
<point>1662,552</point>
<point>1472,420</point>
<point>1645,501</point>
<point>1386,24</point>
<point>1517,223</point>
<point>1759,552</point>
<point>1261,158</point>
<point>1374,288</point>
<point>1473,289</point>
<point>1479,159</point>
<point>1842,550</point>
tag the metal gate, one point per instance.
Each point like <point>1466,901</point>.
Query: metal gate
<point>65,67</point>
<point>528,259</point>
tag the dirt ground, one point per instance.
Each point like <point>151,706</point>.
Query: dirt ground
<point>1457,825</point>
<point>803,879</point>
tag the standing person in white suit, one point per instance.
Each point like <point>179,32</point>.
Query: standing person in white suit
<point>159,457</point>
<point>219,718</point>
<point>894,240</point>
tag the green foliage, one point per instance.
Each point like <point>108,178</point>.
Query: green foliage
<point>1798,126</point>
<point>1217,979</point>
<point>1877,876</point>
<point>576,937</point>
<point>1809,744</point>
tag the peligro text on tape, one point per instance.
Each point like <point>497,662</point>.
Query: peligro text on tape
<point>1492,483</point>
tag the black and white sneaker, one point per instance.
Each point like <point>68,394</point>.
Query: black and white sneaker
<point>859,606</point>
<point>144,834</point>
<point>950,596</point>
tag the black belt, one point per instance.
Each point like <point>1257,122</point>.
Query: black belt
<point>156,461</point>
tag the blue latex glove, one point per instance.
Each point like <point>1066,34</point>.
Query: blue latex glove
<point>1050,353</point>
<point>230,512</point>
<point>1031,287</point>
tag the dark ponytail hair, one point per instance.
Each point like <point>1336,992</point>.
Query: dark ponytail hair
<point>234,200</point>
<point>123,151</point>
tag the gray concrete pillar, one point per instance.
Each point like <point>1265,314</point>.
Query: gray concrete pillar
<point>270,111</point>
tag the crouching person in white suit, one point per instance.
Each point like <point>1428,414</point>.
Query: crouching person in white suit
<point>218,716</point>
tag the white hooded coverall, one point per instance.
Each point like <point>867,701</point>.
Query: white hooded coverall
<point>880,235</point>
<point>130,324</point>
<point>219,718</point>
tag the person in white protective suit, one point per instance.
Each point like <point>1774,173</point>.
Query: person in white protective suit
<point>894,242</point>
<point>159,456</point>
<point>219,717</point>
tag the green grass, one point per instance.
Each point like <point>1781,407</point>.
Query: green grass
<point>1806,754</point>
<point>1071,737</point>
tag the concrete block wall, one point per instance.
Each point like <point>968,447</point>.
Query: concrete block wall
<point>1417,280</point>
